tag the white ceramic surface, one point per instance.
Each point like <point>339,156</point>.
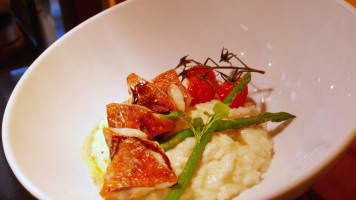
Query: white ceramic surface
<point>307,48</point>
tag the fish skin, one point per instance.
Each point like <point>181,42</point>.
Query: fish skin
<point>133,165</point>
<point>137,117</point>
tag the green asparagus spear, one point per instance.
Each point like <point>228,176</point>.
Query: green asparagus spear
<point>254,120</point>
<point>172,141</point>
<point>175,139</point>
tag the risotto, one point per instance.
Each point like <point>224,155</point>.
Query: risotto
<point>233,161</point>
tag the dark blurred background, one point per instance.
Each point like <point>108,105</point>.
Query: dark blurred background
<point>28,27</point>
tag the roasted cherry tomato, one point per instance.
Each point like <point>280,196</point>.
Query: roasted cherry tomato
<point>226,87</point>
<point>201,84</point>
<point>200,90</point>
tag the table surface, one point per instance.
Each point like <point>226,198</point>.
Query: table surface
<point>338,183</point>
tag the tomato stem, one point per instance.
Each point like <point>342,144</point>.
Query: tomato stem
<point>225,56</point>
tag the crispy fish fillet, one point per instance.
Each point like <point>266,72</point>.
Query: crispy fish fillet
<point>149,95</point>
<point>137,117</point>
<point>169,77</point>
<point>137,166</point>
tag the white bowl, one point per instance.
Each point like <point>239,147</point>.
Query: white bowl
<point>307,48</point>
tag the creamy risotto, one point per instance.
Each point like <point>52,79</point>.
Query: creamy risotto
<point>233,161</point>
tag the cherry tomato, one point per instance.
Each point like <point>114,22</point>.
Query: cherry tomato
<point>200,90</point>
<point>226,87</point>
<point>201,84</point>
